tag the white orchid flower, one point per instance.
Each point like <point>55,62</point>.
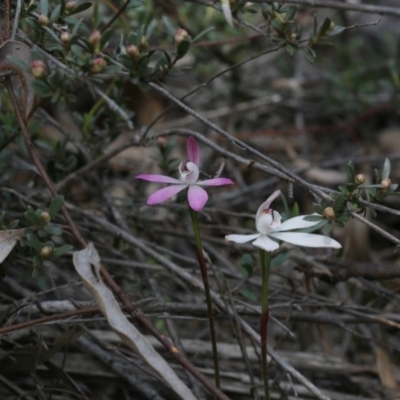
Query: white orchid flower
<point>268,224</point>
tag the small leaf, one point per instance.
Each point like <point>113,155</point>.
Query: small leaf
<point>247,265</point>
<point>203,33</point>
<point>55,13</point>
<point>44,7</point>
<point>34,242</point>
<point>59,251</point>
<point>312,218</point>
<point>327,229</point>
<point>248,294</point>
<point>183,48</point>
<point>81,7</point>
<point>336,30</point>
<point>171,28</point>
<point>289,49</point>
<point>280,259</point>
<point>31,216</point>
<point>318,208</point>
<point>53,229</point>
<point>56,205</point>
<point>339,201</point>
<point>350,171</point>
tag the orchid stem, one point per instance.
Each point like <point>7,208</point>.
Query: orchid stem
<point>265,261</point>
<point>203,268</point>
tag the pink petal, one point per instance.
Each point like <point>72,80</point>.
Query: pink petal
<point>163,194</point>
<point>267,203</point>
<point>216,182</point>
<point>265,243</point>
<point>306,239</point>
<point>157,178</point>
<point>197,197</point>
<point>297,223</point>
<point>193,151</point>
<point>241,238</point>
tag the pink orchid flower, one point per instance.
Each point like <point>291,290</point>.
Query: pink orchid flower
<point>268,224</point>
<point>188,178</point>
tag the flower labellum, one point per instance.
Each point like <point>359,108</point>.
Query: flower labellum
<point>269,225</point>
<point>188,178</point>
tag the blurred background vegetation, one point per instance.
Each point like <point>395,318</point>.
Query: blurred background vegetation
<point>119,86</point>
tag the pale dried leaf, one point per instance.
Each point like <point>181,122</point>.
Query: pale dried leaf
<point>8,239</point>
<point>83,262</point>
<point>385,372</point>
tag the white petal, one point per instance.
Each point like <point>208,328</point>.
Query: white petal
<point>296,223</point>
<point>265,243</point>
<point>241,238</point>
<point>265,206</point>
<point>189,172</point>
<point>306,239</point>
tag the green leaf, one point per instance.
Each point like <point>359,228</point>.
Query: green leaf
<point>325,27</point>
<point>31,216</point>
<point>76,27</point>
<point>55,13</point>
<point>56,205</point>
<point>339,201</point>
<point>247,265</point>
<point>280,259</point>
<point>44,7</point>
<point>183,48</point>
<point>13,224</point>
<point>105,37</point>
<point>386,169</point>
<point>61,250</point>
<point>250,295</point>
<point>289,49</point>
<point>312,218</point>
<point>327,228</point>
<point>34,242</point>
<point>336,30</point>
<point>81,7</point>
<point>52,34</point>
<point>308,55</point>
<point>53,229</point>
<point>350,171</point>
<point>203,33</point>
<point>318,208</point>
<point>171,28</point>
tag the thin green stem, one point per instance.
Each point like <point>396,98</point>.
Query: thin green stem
<point>265,261</point>
<point>203,268</point>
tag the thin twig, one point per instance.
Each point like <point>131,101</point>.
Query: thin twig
<point>16,19</point>
<point>365,8</point>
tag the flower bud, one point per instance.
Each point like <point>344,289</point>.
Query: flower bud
<point>44,20</point>
<point>359,179</point>
<point>45,217</point>
<point>98,64</point>
<point>181,35</point>
<point>94,40</point>
<point>70,6</point>
<point>133,52</point>
<point>65,37</point>
<point>329,213</point>
<point>386,183</point>
<point>46,252</point>
<point>144,44</point>
<point>161,141</point>
<point>38,69</point>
